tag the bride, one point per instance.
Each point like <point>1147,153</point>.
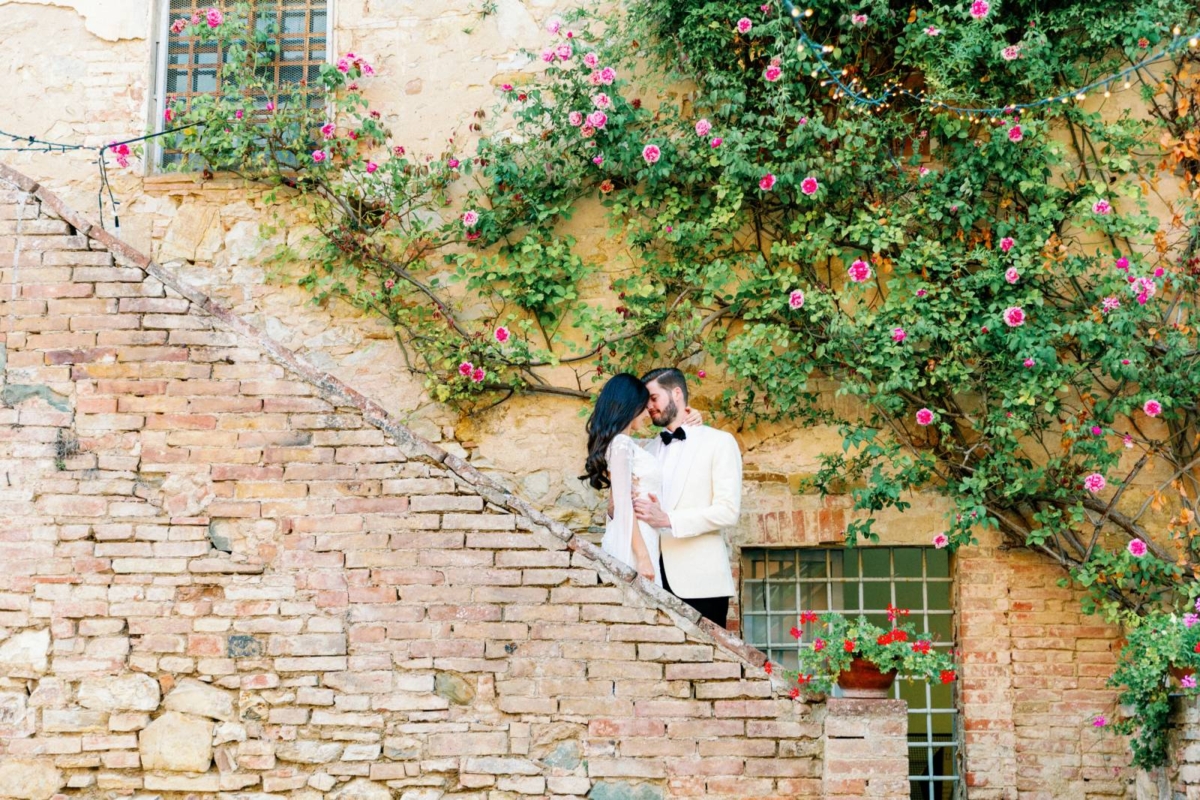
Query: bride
<point>615,461</point>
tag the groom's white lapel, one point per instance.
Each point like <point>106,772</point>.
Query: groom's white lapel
<point>683,466</point>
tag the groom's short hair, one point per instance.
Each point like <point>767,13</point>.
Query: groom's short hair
<point>669,378</point>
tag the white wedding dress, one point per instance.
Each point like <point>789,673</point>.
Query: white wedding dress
<point>633,472</point>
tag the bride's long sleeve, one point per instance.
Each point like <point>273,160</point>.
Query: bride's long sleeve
<point>620,474</point>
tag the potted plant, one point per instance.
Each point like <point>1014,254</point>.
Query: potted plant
<point>1161,655</point>
<point>864,658</point>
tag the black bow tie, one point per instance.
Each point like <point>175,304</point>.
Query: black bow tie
<point>668,437</point>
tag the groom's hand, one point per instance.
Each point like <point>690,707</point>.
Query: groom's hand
<point>649,511</point>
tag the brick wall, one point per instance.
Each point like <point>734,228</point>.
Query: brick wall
<point>225,571</point>
<point>1033,675</point>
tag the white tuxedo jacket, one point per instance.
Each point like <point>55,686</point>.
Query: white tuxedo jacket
<point>704,499</point>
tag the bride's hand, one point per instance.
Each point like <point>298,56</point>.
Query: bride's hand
<point>692,417</point>
<point>646,570</point>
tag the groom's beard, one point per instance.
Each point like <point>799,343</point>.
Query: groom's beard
<point>667,416</point>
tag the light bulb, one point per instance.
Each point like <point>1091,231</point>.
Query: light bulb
<point>795,12</point>
<point>1081,97</point>
<point>808,12</point>
<point>1127,84</point>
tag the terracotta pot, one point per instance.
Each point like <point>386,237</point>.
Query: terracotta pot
<point>865,680</point>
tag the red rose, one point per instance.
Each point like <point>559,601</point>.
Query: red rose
<point>947,675</point>
<point>848,646</point>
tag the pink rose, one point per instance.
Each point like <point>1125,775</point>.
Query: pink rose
<point>703,126</point>
<point>933,31</point>
<point>591,60</point>
<point>213,17</point>
<point>859,271</point>
<point>608,75</point>
<point>924,416</point>
<point>1029,362</point>
<point>1109,304</point>
<point>168,115</point>
<point>470,219</point>
<point>1015,134</point>
<point>553,26</point>
<point>1122,263</point>
<point>1137,548</point>
<point>547,56</point>
<point>1152,408</point>
<point>899,334</point>
<point>343,65</point>
<point>564,51</point>
<point>1099,721</point>
<point>601,100</point>
<point>178,25</point>
<point>941,540</point>
<point>766,182</point>
<point>270,105</point>
<point>744,24</point>
<point>452,163</point>
<point>809,185</point>
<point>598,160</point>
<point>328,130</point>
<point>502,334</point>
<point>796,299</point>
<point>651,153</point>
<point>478,375</point>
<point>858,20</point>
<point>575,118</point>
<point>587,132</point>
<point>716,142</point>
<point>1011,53</point>
<point>597,119</point>
<point>318,156</point>
<point>773,73</point>
<point>1011,275</point>
<point>1102,207</point>
<point>465,368</point>
<point>1007,243</point>
<point>1014,317</point>
<point>237,114</point>
<point>371,167</point>
<point>506,87</point>
<point>980,9</point>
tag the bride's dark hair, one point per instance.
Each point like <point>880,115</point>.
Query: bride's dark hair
<point>621,400</point>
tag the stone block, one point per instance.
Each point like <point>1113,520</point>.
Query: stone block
<point>177,742</point>
<point>131,692</point>
<point>29,779</point>
<point>24,654</point>
<point>195,697</point>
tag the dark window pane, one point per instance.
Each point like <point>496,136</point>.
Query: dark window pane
<point>939,594</point>
<point>782,596</point>
<point>877,595</point>
<point>910,595</point>
<point>908,562</point>
<point>755,597</point>
<point>782,565</point>
<point>812,563</point>
<point>937,564</point>
<point>876,562</point>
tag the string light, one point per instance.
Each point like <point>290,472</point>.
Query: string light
<point>893,89</point>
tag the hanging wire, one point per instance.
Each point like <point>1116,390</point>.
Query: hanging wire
<point>861,98</point>
<point>34,144</point>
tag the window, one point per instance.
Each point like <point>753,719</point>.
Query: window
<point>188,67</point>
<point>778,584</point>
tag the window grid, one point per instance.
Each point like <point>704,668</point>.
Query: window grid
<point>191,68</point>
<point>778,584</point>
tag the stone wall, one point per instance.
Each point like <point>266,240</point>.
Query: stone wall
<point>225,571</point>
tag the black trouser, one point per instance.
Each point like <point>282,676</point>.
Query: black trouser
<point>711,608</point>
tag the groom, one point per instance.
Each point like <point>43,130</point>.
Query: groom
<point>701,496</point>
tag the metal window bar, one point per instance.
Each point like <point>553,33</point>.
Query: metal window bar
<point>780,583</point>
<point>188,68</point>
